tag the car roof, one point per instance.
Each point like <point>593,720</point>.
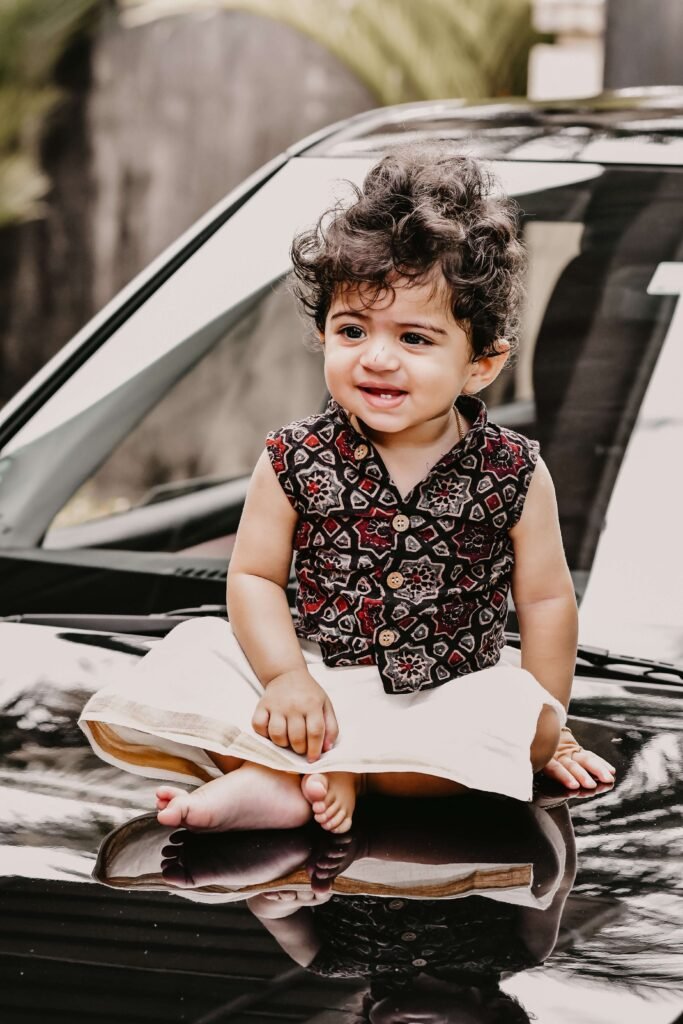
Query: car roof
<point>625,127</point>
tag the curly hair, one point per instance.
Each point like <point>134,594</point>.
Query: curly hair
<point>491,1004</point>
<point>424,206</point>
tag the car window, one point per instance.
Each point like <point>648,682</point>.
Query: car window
<point>184,393</point>
<point>593,333</point>
<point>262,371</point>
<point>217,289</point>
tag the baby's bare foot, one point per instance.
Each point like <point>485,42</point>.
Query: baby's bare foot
<point>250,797</point>
<point>332,798</point>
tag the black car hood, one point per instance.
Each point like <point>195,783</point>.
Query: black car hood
<point>617,955</point>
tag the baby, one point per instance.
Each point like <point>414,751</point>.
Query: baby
<point>410,515</point>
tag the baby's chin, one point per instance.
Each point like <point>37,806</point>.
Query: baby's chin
<point>425,1007</point>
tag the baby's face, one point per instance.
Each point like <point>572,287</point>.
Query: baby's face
<point>398,364</point>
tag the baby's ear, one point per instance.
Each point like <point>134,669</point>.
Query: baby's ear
<point>485,368</point>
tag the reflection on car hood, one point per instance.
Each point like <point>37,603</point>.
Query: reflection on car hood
<point>56,796</point>
<point>58,802</point>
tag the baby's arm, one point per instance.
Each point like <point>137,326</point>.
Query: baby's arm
<point>288,918</point>
<point>545,603</point>
<point>294,711</point>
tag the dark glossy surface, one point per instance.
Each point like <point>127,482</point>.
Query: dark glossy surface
<point>627,127</point>
<point>617,954</point>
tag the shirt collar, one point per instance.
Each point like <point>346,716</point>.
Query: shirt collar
<point>471,407</point>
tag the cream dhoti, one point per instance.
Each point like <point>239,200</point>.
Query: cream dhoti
<point>195,693</point>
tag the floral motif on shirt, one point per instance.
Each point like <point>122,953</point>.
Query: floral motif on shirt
<point>475,542</point>
<point>454,615</point>
<point>321,487</point>
<point>444,496</point>
<point>409,669</point>
<point>375,531</point>
<point>369,615</point>
<point>503,457</point>
<point>421,579</point>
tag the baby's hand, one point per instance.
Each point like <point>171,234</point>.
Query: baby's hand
<point>296,712</point>
<point>577,768</point>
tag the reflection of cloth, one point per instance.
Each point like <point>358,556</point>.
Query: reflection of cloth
<point>195,691</point>
<point>365,936</point>
<point>131,856</point>
<point>416,585</point>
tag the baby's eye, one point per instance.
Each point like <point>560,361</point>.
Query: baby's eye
<point>416,339</point>
<point>352,332</point>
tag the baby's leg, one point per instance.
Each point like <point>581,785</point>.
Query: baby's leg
<point>412,784</point>
<point>543,747</point>
<point>249,797</point>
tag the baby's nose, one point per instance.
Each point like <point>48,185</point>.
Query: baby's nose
<point>380,355</point>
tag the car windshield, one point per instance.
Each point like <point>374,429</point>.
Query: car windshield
<point>180,397</point>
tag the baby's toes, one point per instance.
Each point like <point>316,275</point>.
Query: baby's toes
<point>164,795</point>
<point>175,811</point>
<point>314,786</point>
<point>339,822</point>
<point>328,811</point>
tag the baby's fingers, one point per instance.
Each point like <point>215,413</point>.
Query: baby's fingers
<point>259,722</point>
<point>296,731</point>
<point>277,729</point>
<point>596,765</point>
<point>315,732</point>
<point>331,726</point>
<point>556,770</point>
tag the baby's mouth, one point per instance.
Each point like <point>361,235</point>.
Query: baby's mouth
<point>382,391</point>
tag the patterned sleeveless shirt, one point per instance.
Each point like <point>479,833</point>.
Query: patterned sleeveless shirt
<point>416,585</point>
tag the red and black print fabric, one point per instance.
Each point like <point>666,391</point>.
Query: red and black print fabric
<point>416,585</point>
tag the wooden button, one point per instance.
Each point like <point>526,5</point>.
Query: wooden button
<point>395,580</point>
<point>395,904</point>
<point>400,523</point>
<point>360,452</point>
<point>387,637</point>
<point>419,962</point>
<point>409,936</point>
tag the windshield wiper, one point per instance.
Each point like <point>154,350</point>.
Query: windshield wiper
<point>154,624</point>
<point>599,663</point>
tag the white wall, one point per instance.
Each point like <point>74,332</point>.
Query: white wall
<point>573,66</point>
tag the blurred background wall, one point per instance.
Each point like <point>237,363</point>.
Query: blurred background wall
<point>121,121</point>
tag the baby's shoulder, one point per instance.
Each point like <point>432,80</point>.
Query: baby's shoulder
<point>299,430</point>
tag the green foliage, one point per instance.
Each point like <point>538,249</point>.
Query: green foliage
<point>402,50</point>
<point>34,35</point>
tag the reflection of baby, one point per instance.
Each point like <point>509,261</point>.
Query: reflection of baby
<point>439,961</point>
<point>440,957</point>
<point>433,961</point>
